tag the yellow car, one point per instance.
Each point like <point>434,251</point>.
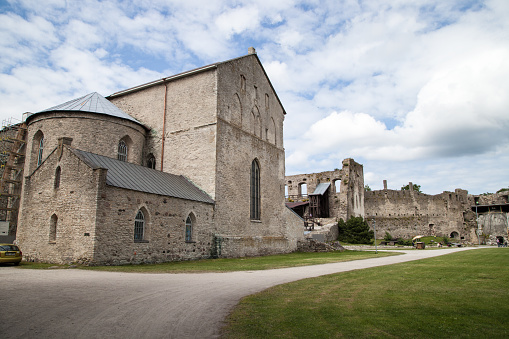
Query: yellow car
<point>10,253</point>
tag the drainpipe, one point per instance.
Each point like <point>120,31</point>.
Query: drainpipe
<point>164,124</point>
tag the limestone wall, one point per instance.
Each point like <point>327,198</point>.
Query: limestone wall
<point>96,133</point>
<point>409,213</point>
<point>71,206</point>
<point>346,192</point>
<point>165,222</point>
<point>189,136</point>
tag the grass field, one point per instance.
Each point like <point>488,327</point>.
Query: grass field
<point>460,295</point>
<point>229,265</point>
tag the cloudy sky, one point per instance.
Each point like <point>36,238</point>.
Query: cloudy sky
<point>413,90</point>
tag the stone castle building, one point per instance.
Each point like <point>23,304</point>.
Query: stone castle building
<point>185,167</point>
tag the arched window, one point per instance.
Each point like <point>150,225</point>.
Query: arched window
<point>255,190</point>
<point>53,228</point>
<point>57,177</point>
<point>303,189</point>
<point>122,151</point>
<point>139,227</point>
<point>151,161</point>
<point>41,149</point>
<point>189,229</point>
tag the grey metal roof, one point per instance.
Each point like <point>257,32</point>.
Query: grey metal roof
<point>321,188</point>
<point>143,179</point>
<point>93,103</point>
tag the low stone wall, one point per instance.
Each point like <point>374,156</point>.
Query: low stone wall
<point>311,245</point>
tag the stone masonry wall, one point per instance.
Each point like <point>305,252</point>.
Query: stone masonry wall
<point>165,219</point>
<point>410,213</point>
<point>73,203</point>
<point>250,127</point>
<point>190,131</point>
<point>346,192</point>
<point>96,133</point>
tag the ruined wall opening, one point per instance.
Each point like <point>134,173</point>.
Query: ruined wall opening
<point>337,185</point>
<point>303,189</point>
<point>454,235</point>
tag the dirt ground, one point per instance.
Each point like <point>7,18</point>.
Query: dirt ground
<point>73,303</point>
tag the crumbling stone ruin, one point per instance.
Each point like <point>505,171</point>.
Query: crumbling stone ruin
<point>402,213</point>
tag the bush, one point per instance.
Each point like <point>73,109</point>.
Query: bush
<point>404,242</point>
<point>355,231</point>
<point>387,236</point>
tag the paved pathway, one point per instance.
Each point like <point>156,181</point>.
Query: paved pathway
<point>75,303</point>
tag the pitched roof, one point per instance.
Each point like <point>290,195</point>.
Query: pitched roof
<point>92,103</point>
<point>194,71</point>
<point>143,179</point>
<point>321,188</point>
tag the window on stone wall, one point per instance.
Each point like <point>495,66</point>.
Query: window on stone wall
<point>53,228</point>
<point>151,161</point>
<point>57,177</point>
<point>255,190</point>
<point>41,149</point>
<point>139,227</point>
<point>303,190</point>
<point>122,151</point>
<point>189,229</point>
<point>242,83</point>
<point>337,185</point>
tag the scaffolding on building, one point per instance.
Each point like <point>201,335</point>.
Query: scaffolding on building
<point>12,160</point>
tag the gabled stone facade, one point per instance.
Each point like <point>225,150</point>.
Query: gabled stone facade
<point>216,125</point>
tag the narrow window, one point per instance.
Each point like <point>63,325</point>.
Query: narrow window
<point>255,190</point>
<point>189,229</point>
<point>122,151</point>
<point>57,177</point>
<point>242,83</point>
<point>53,228</point>
<point>151,161</point>
<point>41,149</point>
<point>139,226</point>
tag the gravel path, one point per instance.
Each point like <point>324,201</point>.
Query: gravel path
<point>73,303</point>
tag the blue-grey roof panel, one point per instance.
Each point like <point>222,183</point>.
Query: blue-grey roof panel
<point>143,179</point>
<point>321,188</point>
<point>93,103</point>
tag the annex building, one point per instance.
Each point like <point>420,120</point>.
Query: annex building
<point>185,167</point>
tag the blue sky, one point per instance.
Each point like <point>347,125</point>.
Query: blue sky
<point>416,91</point>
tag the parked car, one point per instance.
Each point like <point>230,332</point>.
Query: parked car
<point>10,253</point>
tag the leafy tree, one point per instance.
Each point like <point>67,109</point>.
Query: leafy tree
<point>367,188</point>
<point>416,188</point>
<point>355,231</point>
<point>388,236</point>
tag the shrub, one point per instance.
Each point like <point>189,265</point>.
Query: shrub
<point>387,236</point>
<point>355,231</point>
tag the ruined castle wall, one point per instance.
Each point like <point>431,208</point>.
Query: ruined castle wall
<point>407,213</point>
<point>346,192</point>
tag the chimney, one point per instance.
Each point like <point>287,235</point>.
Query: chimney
<point>385,185</point>
<point>61,142</point>
<point>410,186</point>
<point>251,50</point>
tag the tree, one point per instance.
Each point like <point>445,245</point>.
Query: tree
<point>355,231</point>
<point>367,188</point>
<point>417,188</point>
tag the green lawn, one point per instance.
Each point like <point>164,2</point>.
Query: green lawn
<point>228,265</point>
<point>244,264</point>
<point>460,295</point>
